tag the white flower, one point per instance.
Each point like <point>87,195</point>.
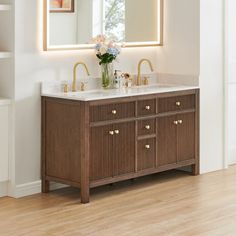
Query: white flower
<point>103,50</point>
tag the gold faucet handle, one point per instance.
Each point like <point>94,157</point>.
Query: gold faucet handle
<point>66,88</point>
<point>146,80</point>
<point>82,85</point>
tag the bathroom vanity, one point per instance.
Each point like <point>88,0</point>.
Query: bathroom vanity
<point>101,137</point>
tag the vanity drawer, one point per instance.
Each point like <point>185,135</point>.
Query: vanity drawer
<point>112,111</point>
<point>176,103</point>
<point>146,154</point>
<point>147,107</point>
<point>146,127</point>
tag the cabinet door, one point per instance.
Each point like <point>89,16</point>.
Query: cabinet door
<point>146,154</point>
<point>3,143</point>
<point>124,148</point>
<point>101,152</point>
<point>186,137</point>
<point>166,138</point>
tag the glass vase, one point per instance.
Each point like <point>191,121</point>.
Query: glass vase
<point>107,75</point>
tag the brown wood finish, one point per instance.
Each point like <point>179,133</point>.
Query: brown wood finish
<point>112,111</point>
<point>178,103</point>
<point>146,127</point>
<point>101,152</point>
<point>186,137</point>
<point>167,136</point>
<point>146,156</point>
<point>147,107</point>
<point>85,144</point>
<point>62,143</point>
<point>124,149</point>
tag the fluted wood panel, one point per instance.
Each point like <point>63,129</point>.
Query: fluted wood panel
<point>104,112</point>
<point>146,157</point>
<point>167,145</point>
<point>62,140</point>
<point>186,137</point>
<point>124,149</point>
<point>101,152</point>
<point>169,104</point>
<point>142,107</point>
<point>142,127</point>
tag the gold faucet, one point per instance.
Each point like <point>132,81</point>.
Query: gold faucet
<point>74,83</point>
<point>139,82</point>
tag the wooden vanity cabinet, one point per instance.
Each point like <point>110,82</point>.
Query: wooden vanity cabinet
<point>92,143</point>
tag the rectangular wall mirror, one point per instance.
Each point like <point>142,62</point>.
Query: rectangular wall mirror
<point>71,24</point>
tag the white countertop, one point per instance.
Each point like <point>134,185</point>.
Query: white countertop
<point>5,101</point>
<point>100,94</point>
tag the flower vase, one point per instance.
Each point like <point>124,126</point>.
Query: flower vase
<point>107,75</point>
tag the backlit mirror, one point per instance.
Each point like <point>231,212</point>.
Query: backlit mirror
<point>71,24</point>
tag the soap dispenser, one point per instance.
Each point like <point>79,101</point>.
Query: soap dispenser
<point>116,80</point>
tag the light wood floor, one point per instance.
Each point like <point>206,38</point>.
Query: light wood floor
<point>166,204</point>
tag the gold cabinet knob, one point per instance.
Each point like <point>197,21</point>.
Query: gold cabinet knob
<point>111,132</point>
<point>147,108</point>
<point>180,121</point>
<point>178,104</point>
<point>147,146</point>
<point>117,131</point>
<point>176,122</point>
<point>114,112</point>
<point>147,127</point>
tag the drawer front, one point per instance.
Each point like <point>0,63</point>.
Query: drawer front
<point>176,103</point>
<point>147,107</point>
<point>146,127</point>
<point>112,111</point>
<point>146,154</point>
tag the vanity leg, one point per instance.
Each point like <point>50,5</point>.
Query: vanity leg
<point>195,169</point>
<point>45,186</point>
<point>84,155</point>
<point>84,194</point>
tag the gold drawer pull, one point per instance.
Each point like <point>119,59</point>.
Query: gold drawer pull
<point>147,146</point>
<point>176,122</point>
<point>180,121</point>
<point>111,132</point>
<point>147,127</point>
<point>147,108</point>
<point>178,104</point>
<point>114,112</point>
<point>117,131</point>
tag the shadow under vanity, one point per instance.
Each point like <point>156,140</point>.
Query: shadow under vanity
<point>94,142</point>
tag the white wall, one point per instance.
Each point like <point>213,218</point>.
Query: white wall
<point>212,84</point>
<point>232,80</point>
<point>180,55</point>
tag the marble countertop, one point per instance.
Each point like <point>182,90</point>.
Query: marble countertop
<point>100,94</point>
<point>4,101</point>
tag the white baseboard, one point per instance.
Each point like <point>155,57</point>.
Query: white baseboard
<point>232,156</point>
<point>3,189</point>
<point>32,188</point>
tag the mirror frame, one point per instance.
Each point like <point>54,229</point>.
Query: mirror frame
<point>47,47</point>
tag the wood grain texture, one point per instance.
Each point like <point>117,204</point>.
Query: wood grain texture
<point>146,157</point>
<point>142,111</point>
<point>78,148</point>
<point>101,152</point>
<point>104,112</point>
<point>62,140</point>
<point>186,137</point>
<point>167,141</point>
<point>168,104</point>
<point>124,149</point>
<point>142,127</point>
<point>168,204</point>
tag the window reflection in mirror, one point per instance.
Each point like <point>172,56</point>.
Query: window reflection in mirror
<point>129,21</point>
